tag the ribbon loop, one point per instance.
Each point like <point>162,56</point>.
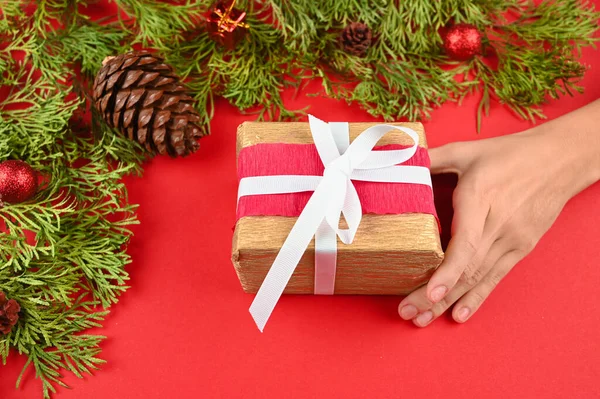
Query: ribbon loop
<point>334,195</point>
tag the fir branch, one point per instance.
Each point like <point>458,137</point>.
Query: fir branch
<point>536,57</point>
<point>192,59</point>
<point>555,22</point>
<point>81,216</point>
<point>157,23</point>
<point>526,77</point>
<point>298,23</point>
<point>88,44</point>
<point>11,10</point>
<point>49,12</point>
<point>255,73</point>
<point>402,89</point>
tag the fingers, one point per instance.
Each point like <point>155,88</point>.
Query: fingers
<point>425,318</point>
<point>473,299</point>
<point>414,304</point>
<point>429,313</point>
<point>446,159</point>
<point>470,214</point>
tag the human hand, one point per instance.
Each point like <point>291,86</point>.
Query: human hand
<point>510,191</point>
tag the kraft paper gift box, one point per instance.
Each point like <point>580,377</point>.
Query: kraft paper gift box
<point>396,247</point>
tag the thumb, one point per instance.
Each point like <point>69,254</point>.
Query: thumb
<point>447,158</point>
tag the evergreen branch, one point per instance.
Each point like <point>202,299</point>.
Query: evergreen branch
<point>158,24</point>
<point>49,12</point>
<point>88,44</point>
<point>80,218</point>
<point>555,22</point>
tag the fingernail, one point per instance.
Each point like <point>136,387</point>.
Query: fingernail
<point>438,293</point>
<point>424,318</point>
<point>463,314</point>
<point>408,312</point>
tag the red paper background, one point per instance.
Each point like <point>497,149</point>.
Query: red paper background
<point>183,329</point>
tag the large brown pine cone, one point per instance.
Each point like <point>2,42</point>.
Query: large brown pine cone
<point>9,313</point>
<point>356,38</point>
<point>138,94</point>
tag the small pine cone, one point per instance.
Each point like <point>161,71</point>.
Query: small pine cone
<point>9,313</point>
<point>138,94</point>
<point>356,38</point>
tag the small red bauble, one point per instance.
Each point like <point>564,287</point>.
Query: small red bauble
<point>462,42</point>
<point>9,313</point>
<point>18,182</point>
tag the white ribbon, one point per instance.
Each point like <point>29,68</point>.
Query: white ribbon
<point>334,194</point>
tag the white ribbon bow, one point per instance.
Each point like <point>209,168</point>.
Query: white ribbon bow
<point>334,194</point>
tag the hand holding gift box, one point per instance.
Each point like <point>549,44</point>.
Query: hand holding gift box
<point>394,247</point>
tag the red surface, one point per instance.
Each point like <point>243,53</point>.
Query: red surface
<point>183,330</point>
<point>303,159</point>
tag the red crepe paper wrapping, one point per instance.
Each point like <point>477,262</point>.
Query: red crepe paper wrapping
<point>303,159</point>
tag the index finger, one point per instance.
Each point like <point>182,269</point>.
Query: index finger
<point>446,158</point>
<point>470,214</point>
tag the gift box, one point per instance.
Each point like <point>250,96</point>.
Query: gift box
<point>282,169</point>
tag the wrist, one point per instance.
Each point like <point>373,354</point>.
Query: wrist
<point>575,147</point>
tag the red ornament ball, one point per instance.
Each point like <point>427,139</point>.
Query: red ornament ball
<point>462,42</point>
<point>18,182</point>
